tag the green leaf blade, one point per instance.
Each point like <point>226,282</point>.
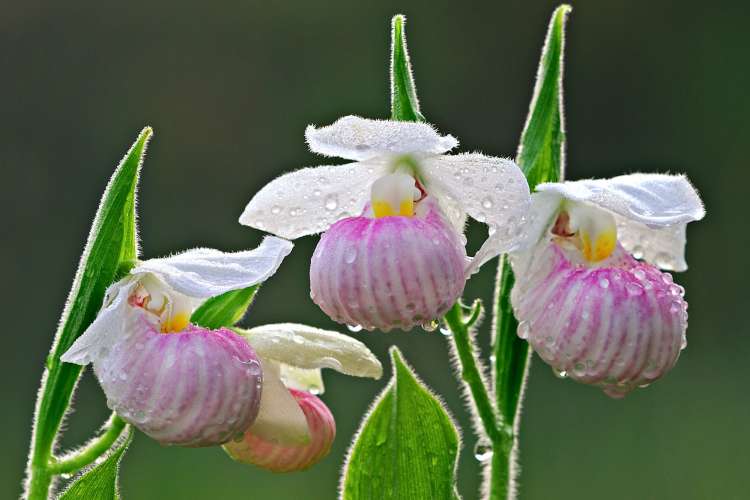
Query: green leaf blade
<point>541,152</point>
<point>99,482</point>
<point>226,309</point>
<point>406,448</point>
<point>110,250</point>
<point>404,101</point>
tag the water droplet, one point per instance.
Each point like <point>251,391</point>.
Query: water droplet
<point>430,326</point>
<point>579,369</point>
<point>667,278</point>
<point>637,252</point>
<point>604,282</point>
<point>663,260</point>
<point>483,450</point>
<point>331,203</point>
<point>354,328</point>
<point>559,373</point>
<point>351,255</point>
<point>523,330</point>
<point>276,210</point>
<point>675,307</point>
<point>487,202</point>
<point>446,331</point>
<point>638,273</point>
<point>683,344</point>
<point>298,339</point>
<point>634,289</point>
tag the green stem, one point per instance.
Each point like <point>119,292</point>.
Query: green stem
<point>93,450</point>
<point>492,423</point>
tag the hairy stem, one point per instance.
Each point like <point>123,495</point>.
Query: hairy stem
<point>93,450</point>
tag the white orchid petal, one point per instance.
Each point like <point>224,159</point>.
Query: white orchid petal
<point>280,418</point>
<point>111,323</point>
<point>307,347</point>
<point>204,272</point>
<point>491,190</point>
<point>663,247</point>
<point>308,201</point>
<point>356,138</point>
<point>656,200</point>
<point>302,379</point>
<point>651,211</point>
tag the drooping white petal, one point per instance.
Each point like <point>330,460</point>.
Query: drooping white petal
<point>308,201</point>
<point>280,419</point>
<point>307,347</point>
<point>656,200</point>
<point>111,323</point>
<point>356,138</point>
<point>491,190</point>
<point>651,211</point>
<point>204,272</point>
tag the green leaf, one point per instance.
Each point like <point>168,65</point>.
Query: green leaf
<point>541,156</point>
<point>541,153</point>
<point>99,482</point>
<point>226,309</point>
<point>110,251</point>
<point>404,102</point>
<point>406,448</point>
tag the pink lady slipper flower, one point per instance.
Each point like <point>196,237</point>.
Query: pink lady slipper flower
<point>393,254</point>
<point>589,295</point>
<point>177,382</point>
<point>294,428</point>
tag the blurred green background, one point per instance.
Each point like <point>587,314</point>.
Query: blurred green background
<point>229,88</point>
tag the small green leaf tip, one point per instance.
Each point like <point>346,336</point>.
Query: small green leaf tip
<point>541,152</point>
<point>407,446</point>
<point>404,101</point>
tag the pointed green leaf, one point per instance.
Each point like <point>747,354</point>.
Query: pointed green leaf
<point>404,102</point>
<point>541,153</point>
<point>99,482</point>
<point>110,250</point>
<point>406,448</point>
<point>226,309</point>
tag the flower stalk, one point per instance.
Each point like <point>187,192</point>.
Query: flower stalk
<point>93,450</point>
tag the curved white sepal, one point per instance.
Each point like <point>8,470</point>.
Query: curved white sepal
<point>302,379</point>
<point>656,200</point>
<point>110,324</point>
<point>307,347</point>
<point>309,200</point>
<point>491,190</point>
<point>356,138</point>
<point>280,419</point>
<point>205,272</point>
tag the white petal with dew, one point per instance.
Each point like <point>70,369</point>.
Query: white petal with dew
<point>356,138</point>
<point>651,211</point>
<point>110,324</point>
<point>307,347</point>
<point>491,190</point>
<point>204,272</point>
<point>308,201</point>
<point>656,200</point>
<point>280,419</point>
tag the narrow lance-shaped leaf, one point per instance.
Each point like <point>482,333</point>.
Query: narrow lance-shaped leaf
<point>110,249</point>
<point>404,101</point>
<point>407,447</point>
<point>99,482</point>
<point>226,309</point>
<point>541,156</point>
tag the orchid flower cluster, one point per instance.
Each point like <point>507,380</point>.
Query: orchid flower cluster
<point>593,296</point>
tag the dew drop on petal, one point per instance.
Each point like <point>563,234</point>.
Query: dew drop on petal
<point>559,373</point>
<point>298,339</point>
<point>446,331</point>
<point>638,273</point>
<point>604,282</point>
<point>430,326</point>
<point>523,330</point>
<point>354,328</point>
<point>351,255</point>
<point>487,202</point>
<point>331,203</point>
<point>276,210</point>
<point>634,289</point>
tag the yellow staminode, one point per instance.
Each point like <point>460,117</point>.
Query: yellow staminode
<point>393,195</point>
<point>596,229</point>
<point>175,323</point>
